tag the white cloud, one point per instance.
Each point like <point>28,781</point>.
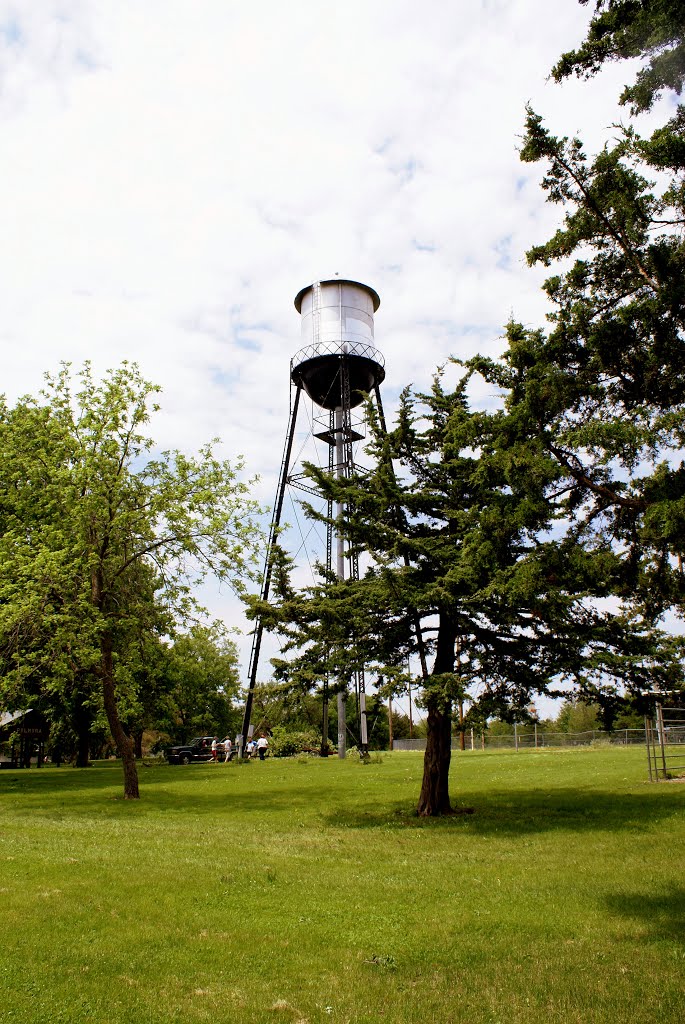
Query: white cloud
<point>173,174</point>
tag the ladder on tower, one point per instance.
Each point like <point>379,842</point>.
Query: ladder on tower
<point>316,313</point>
<point>349,435</point>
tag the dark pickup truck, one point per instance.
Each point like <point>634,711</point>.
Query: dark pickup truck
<point>199,749</point>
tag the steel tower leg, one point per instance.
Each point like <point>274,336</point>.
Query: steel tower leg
<point>338,451</point>
<point>344,436</point>
<point>268,566</point>
<point>329,560</point>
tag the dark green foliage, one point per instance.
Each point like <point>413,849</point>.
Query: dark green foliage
<point>608,381</point>
<point>202,682</point>
<point>284,742</point>
<point>621,29</point>
<point>469,517</point>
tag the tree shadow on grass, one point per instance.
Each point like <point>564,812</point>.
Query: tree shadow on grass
<point>175,790</point>
<point>520,813</point>
<point>179,790</point>
<point>661,916</point>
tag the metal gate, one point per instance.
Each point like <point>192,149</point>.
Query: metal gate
<point>665,736</point>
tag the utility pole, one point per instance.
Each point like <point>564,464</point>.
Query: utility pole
<point>390,740</point>
<point>411,724</point>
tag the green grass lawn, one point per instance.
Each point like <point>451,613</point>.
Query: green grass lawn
<point>306,891</point>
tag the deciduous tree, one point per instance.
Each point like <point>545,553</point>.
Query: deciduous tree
<point>98,534</point>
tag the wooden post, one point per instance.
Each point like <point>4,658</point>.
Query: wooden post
<point>411,723</point>
<point>660,728</point>
<point>648,744</point>
<point>390,722</point>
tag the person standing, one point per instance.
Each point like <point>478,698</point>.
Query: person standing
<point>227,749</point>
<point>262,744</point>
<point>215,743</point>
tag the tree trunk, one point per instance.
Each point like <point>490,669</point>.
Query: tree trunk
<point>124,745</point>
<point>83,750</point>
<point>434,799</point>
<point>81,722</point>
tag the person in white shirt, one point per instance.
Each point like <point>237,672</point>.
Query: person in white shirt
<point>227,749</point>
<point>262,744</point>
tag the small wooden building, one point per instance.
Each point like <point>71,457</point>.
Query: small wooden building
<point>26,733</point>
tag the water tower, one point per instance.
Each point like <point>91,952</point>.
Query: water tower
<point>336,368</point>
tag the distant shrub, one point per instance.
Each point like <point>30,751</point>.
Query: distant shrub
<point>160,744</point>
<point>376,757</point>
<point>286,744</point>
<point>152,759</point>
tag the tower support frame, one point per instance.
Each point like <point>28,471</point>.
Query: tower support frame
<point>340,438</point>
<point>336,368</point>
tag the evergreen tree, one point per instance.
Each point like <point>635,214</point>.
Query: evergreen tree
<point>621,29</point>
<point>608,380</point>
<point>467,527</point>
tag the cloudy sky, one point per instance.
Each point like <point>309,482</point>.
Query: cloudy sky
<point>174,172</point>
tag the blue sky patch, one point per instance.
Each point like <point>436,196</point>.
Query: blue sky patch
<point>503,249</point>
<point>11,32</point>
<point>423,246</point>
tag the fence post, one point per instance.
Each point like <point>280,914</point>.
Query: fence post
<point>660,727</point>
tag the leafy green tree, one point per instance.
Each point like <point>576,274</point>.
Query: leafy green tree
<point>39,597</point>
<point>99,535</point>
<point>499,728</point>
<point>577,716</point>
<point>202,673</point>
<point>292,707</point>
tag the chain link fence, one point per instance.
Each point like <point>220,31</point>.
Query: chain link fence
<point>533,740</point>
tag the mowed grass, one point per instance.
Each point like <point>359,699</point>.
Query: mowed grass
<point>307,891</point>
